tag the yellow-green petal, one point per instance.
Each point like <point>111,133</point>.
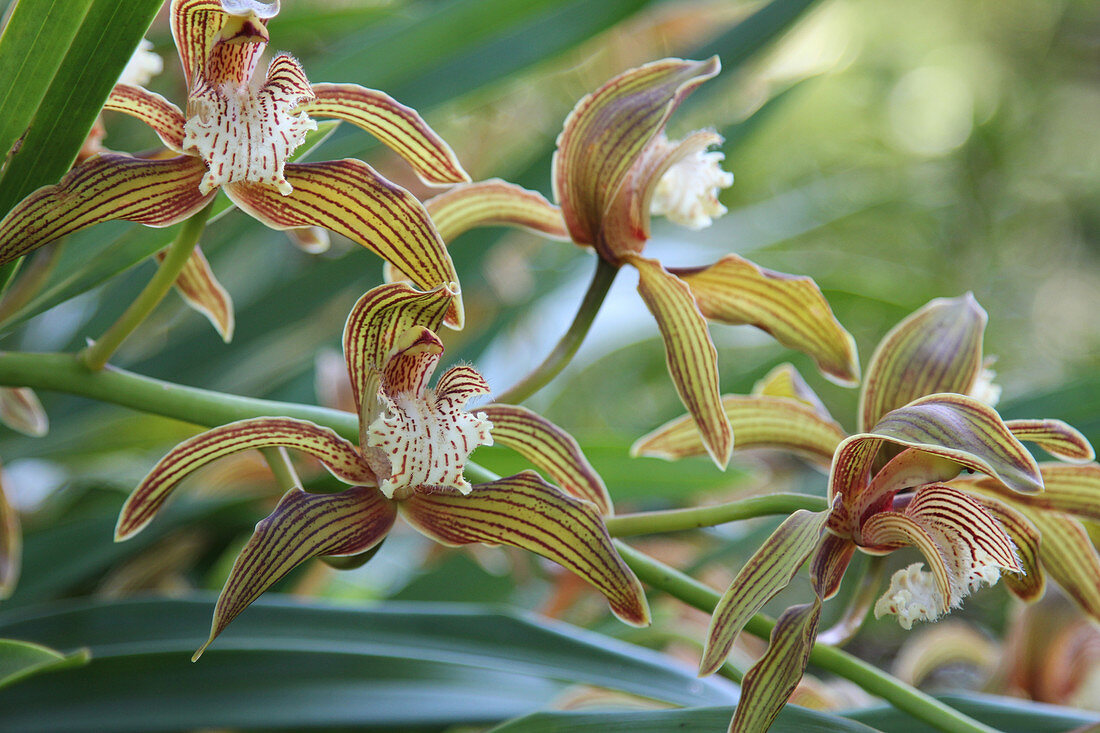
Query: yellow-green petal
<point>494,203</point>
<point>767,572</point>
<point>400,128</point>
<point>1068,554</point>
<point>785,381</point>
<point>936,349</point>
<point>201,290</point>
<point>350,198</point>
<point>778,423</point>
<point>337,455</point>
<point>165,118</point>
<point>1057,438</point>
<point>526,512</point>
<point>791,308</point>
<point>690,354</point>
<point>302,526</point>
<point>550,449</point>
<point>103,188</point>
<point>770,682</point>
<point>21,411</point>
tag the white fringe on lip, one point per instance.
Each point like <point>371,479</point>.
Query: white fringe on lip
<point>687,193</point>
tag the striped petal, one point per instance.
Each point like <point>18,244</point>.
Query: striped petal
<point>758,422</point>
<point>11,546</point>
<point>790,308</point>
<point>524,511</point>
<point>197,26</point>
<point>378,318</point>
<point>829,563</point>
<point>549,448</point>
<point>302,526</point>
<point>21,411</point>
<point>1057,438</point>
<point>165,118</point>
<point>350,198</point>
<point>770,682</point>
<point>767,572</point>
<point>338,455</point>
<point>913,594</point>
<point>1029,584</point>
<point>607,132</point>
<point>691,356</point>
<point>1068,554</point>
<point>494,203</point>
<point>785,381</point>
<point>936,349</point>
<point>201,290</point>
<point>104,187</point>
<point>1067,489</point>
<point>399,127</point>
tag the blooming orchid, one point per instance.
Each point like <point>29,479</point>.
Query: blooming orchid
<point>413,445</point>
<point>236,135</point>
<point>897,483</point>
<point>614,167</point>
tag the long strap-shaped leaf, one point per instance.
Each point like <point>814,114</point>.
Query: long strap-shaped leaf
<point>302,526</point>
<point>770,681</point>
<point>338,455</point>
<point>767,572</point>
<point>551,449</point>
<point>790,308</point>
<point>524,511</point>
<point>690,353</point>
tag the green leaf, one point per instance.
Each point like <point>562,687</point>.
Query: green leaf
<point>59,60</point>
<point>392,666</point>
<point>22,659</point>
<point>1004,714</point>
<point>792,720</point>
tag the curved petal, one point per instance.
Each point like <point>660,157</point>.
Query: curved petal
<point>908,469</point>
<point>609,129</point>
<point>21,411</point>
<point>829,563</point>
<point>104,187</point>
<point>494,203</point>
<point>1057,438</point>
<point>691,356</point>
<point>460,384</point>
<point>197,26</point>
<point>887,531</point>
<point>165,118</point>
<point>758,422</point>
<point>770,682</point>
<point>768,571</point>
<point>1067,489</point>
<point>790,308</point>
<point>311,240</point>
<point>338,456</point>
<point>412,362</point>
<point>964,430</point>
<point>350,198</point>
<point>399,127</point>
<point>302,526</point>
<point>1068,554</point>
<point>1029,584</point>
<point>785,381</point>
<point>11,546</point>
<point>524,511</point>
<point>377,320</point>
<point>936,349</point>
<point>550,449</point>
<point>954,515</point>
<point>201,290</point>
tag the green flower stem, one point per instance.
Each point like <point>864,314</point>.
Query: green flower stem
<point>95,357</point>
<point>675,520</point>
<point>279,462</point>
<point>571,341</point>
<point>65,373</point>
<point>873,680</point>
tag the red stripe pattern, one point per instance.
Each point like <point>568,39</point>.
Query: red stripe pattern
<point>165,118</point>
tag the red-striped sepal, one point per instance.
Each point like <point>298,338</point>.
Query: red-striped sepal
<point>768,571</point>
<point>303,526</point>
<point>165,118</point>
<point>1057,438</point>
<point>549,448</point>
<point>103,188</point>
<point>350,198</point>
<point>790,308</point>
<point>339,456</point>
<point>201,290</point>
<point>524,511</point>
<point>690,354</point>
<point>400,128</point>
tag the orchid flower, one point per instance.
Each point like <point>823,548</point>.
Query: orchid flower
<point>897,483</point>
<point>413,446</point>
<point>236,135</point>
<point>614,167</point>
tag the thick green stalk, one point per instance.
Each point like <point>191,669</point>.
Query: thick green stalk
<point>571,341</point>
<point>870,678</point>
<point>279,462</point>
<point>96,356</point>
<point>675,520</point>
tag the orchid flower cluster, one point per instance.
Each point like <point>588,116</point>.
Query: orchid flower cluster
<point>931,466</point>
